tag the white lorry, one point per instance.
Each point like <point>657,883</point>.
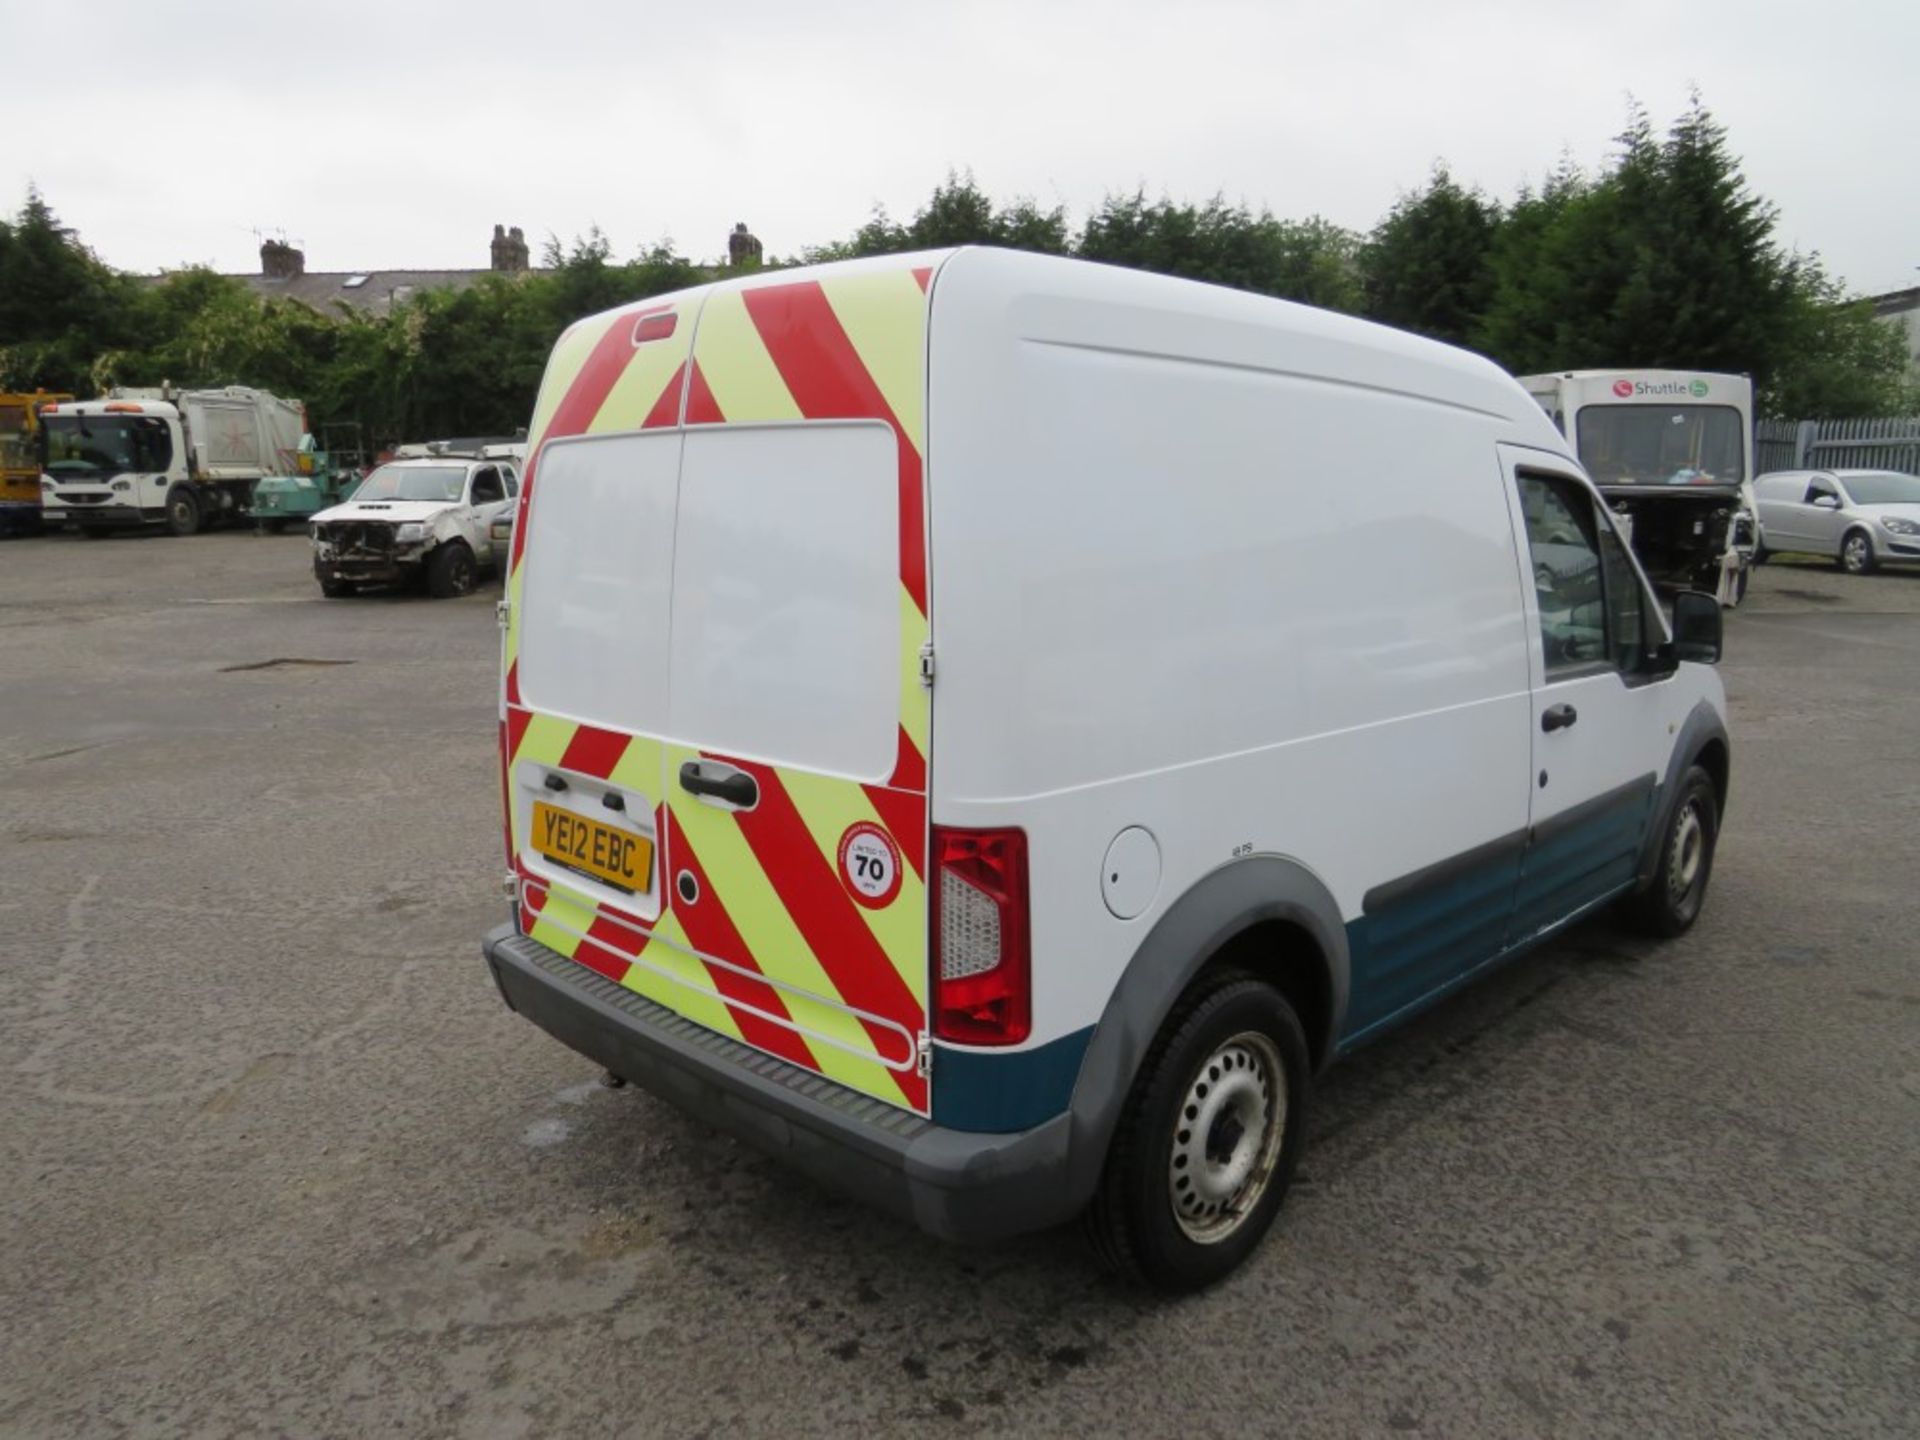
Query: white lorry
<point>178,459</point>
<point>1672,453</point>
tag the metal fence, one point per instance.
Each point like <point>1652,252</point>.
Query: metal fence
<point>1883,444</point>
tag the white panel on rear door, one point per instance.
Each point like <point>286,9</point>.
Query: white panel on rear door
<point>599,574</point>
<point>786,596</point>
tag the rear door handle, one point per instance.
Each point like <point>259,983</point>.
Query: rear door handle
<point>1558,717</point>
<point>720,782</point>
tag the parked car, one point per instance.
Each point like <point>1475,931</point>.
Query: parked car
<point>431,520</point>
<point>1859,518</point>
<point>952,744</point>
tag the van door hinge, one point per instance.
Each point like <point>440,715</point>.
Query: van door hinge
<point>500,611</point>
<point>923,1058</point>
<point>926,664</point>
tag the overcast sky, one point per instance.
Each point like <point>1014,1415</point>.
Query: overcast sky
<point>395,135</point>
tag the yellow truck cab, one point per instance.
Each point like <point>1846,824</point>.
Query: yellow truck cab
<point>20,460</point>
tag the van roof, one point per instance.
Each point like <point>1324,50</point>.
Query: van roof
<point>1362,352</point>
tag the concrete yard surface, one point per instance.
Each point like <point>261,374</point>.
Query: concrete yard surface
<point>278,1161</point>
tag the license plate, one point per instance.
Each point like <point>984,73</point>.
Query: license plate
<point>587,847</point>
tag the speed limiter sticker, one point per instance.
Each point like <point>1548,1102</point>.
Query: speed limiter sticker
<point>870,865</point>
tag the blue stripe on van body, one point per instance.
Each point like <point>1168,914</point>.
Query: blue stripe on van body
<point>1422,936</point>
<point>1006,1090</point>
<point>1417,933</point>
<point>1588,851</point>
<point>1417,939</point>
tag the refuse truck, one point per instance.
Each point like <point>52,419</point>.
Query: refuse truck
<point>1672,454</point>
<point>20,460</point>
<point>179,460</point>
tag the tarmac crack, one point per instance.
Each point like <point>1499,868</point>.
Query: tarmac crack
<point>280,662</point>
<point>55,1008</point>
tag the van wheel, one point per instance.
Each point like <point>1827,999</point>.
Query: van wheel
<point>1671,903</point>
<point>450,570</point>
<point>1856,553</point>
<point>183,511</point>
<point>1207,1144</point>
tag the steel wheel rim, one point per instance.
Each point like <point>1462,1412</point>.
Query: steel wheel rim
<point>462,569</point>
<point>1689,851</point>
<point>1227,1137</point>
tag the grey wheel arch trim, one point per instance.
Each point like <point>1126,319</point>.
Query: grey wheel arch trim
<point>1703,725</point>
<point>1220,906</point>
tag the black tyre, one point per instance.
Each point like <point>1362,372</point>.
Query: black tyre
<point>183,511</point>
<point>1760,552</point>
<point>450,570</point>
<point>1671,903</point>
<point>1856,553</point>
<point>269,527</point>
<point>1209,1138</point>
<point>1740,582</point>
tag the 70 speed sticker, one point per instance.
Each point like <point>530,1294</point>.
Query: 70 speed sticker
<point>870,865</point>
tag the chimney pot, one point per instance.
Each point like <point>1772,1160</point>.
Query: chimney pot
<point>281,261</point>
<point>510,255</point>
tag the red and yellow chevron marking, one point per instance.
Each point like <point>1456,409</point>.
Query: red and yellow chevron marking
<point>771,904</point>
<point>775,951</point>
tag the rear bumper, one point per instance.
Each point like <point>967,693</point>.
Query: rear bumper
<point>955,1184</point>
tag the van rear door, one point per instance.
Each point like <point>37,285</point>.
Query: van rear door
<point>756,653</point>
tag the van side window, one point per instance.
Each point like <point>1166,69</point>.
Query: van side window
<point>1626,603</point>
<point>1563,535</point>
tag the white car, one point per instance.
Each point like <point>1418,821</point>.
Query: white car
<point>432,519</point>
<point>1859,518</point>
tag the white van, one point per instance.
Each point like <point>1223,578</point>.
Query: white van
<point>991,728</point>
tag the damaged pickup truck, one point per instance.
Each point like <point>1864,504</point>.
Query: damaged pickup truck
<point>428,521</point>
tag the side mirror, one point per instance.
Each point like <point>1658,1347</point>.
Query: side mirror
<point>1826,502</point>
<point>1696,627</point>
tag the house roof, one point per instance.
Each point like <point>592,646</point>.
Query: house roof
<point>372,292</point>
<point>1895,302</point>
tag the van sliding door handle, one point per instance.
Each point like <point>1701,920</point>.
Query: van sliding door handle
<point>1558,717</point>
<point>721,782</point>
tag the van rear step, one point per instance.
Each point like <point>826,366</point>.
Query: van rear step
<point>957,1184</point>
<point>666,1027</point>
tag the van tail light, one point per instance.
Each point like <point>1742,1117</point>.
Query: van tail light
<point>982,966</point>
